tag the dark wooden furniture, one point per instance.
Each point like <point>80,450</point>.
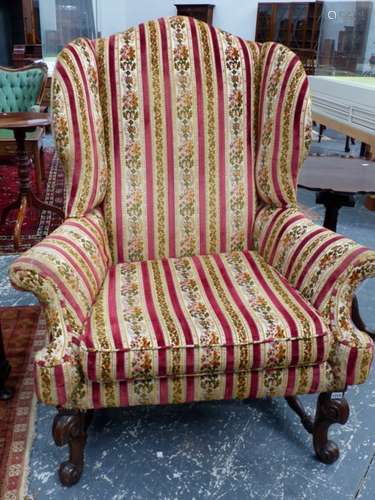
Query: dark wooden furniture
<point>26,54</point>
<point>21,123</point>
<point>34,149</point>
<point>295,25</point>
<point>201,11</point>
<point>336,182</point>
<point>20,40</point>
<point>5,393</point>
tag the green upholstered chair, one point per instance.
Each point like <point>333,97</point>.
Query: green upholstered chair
<point>21,90</point>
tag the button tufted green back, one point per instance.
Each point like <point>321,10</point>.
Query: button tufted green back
<point>19,90</point>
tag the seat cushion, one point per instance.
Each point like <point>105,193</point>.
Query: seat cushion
<point>222,313</point>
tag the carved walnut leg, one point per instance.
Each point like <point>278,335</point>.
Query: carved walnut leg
<point>69,427</point>
<point>328,411</point>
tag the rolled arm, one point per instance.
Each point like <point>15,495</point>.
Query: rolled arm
<point>324,266</point>
<point>65,272</point>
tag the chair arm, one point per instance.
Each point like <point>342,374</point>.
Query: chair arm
<point>65,272</point>
<point>36,108</point>
<point>324,266</point>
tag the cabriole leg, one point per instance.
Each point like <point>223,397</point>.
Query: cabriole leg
<point>330,410</point>
<point>69,427</point>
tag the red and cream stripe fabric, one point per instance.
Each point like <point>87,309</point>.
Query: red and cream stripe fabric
<point>223,313</point>
<point>178,101</point>
<point>326,268</point>
<point>73,391</point>
<point>65,271</point>
<point>78,127</point>
<point>181,131</point>
<point>284,124</point>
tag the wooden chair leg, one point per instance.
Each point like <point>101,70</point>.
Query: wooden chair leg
<point>328,411</point>
<point>321,130</point>
<point>298,408</point>
<point>69,427</point>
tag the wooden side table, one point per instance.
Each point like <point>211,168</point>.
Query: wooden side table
<point>21,123</point>
<point>34,149</point>
<point>336,181</point>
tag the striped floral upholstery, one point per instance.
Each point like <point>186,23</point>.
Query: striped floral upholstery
<point>184,271</point>
<point>284,124</point>
<point>179,104</point>
<point>223,313</point>
<point>326,268</point>
<point>78,127</point>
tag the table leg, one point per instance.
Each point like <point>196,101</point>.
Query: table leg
<point>347,146</point>
<point>26,197</point>
<point>20,217</point>
<point>333,202</point>
<point>5,393</point>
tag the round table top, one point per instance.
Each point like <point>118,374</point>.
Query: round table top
<point>24,120</point>
<point>342,175</point>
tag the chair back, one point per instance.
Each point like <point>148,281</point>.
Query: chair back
<point>181,131</point>
<point>22,88</point>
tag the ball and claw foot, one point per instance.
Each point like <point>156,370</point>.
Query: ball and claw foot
<point>69,427</point>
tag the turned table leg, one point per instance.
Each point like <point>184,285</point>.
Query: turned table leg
<point>26,197</point>
<point>333,202</point>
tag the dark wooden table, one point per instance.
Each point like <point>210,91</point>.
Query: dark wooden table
<point>21,123</point>
<point>336,181</point>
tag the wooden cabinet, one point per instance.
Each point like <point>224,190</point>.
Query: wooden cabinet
<point>295,25</point>
<point>201,11</point>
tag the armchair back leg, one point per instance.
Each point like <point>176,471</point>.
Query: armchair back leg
<point>298,408</point>
<point>69,427</point>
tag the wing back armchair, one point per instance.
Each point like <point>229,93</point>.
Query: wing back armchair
<point>184,270</point>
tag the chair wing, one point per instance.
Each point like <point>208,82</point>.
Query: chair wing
<point>284,124</point>
<point>78,127</point>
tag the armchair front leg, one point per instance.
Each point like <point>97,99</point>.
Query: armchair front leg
<point>69,427</point>
<point>328,411</point>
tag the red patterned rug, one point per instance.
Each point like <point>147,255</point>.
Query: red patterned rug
<point>22,338</point>
<point>37,224</point>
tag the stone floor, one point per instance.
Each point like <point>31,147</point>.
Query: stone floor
<point>222,450</point>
